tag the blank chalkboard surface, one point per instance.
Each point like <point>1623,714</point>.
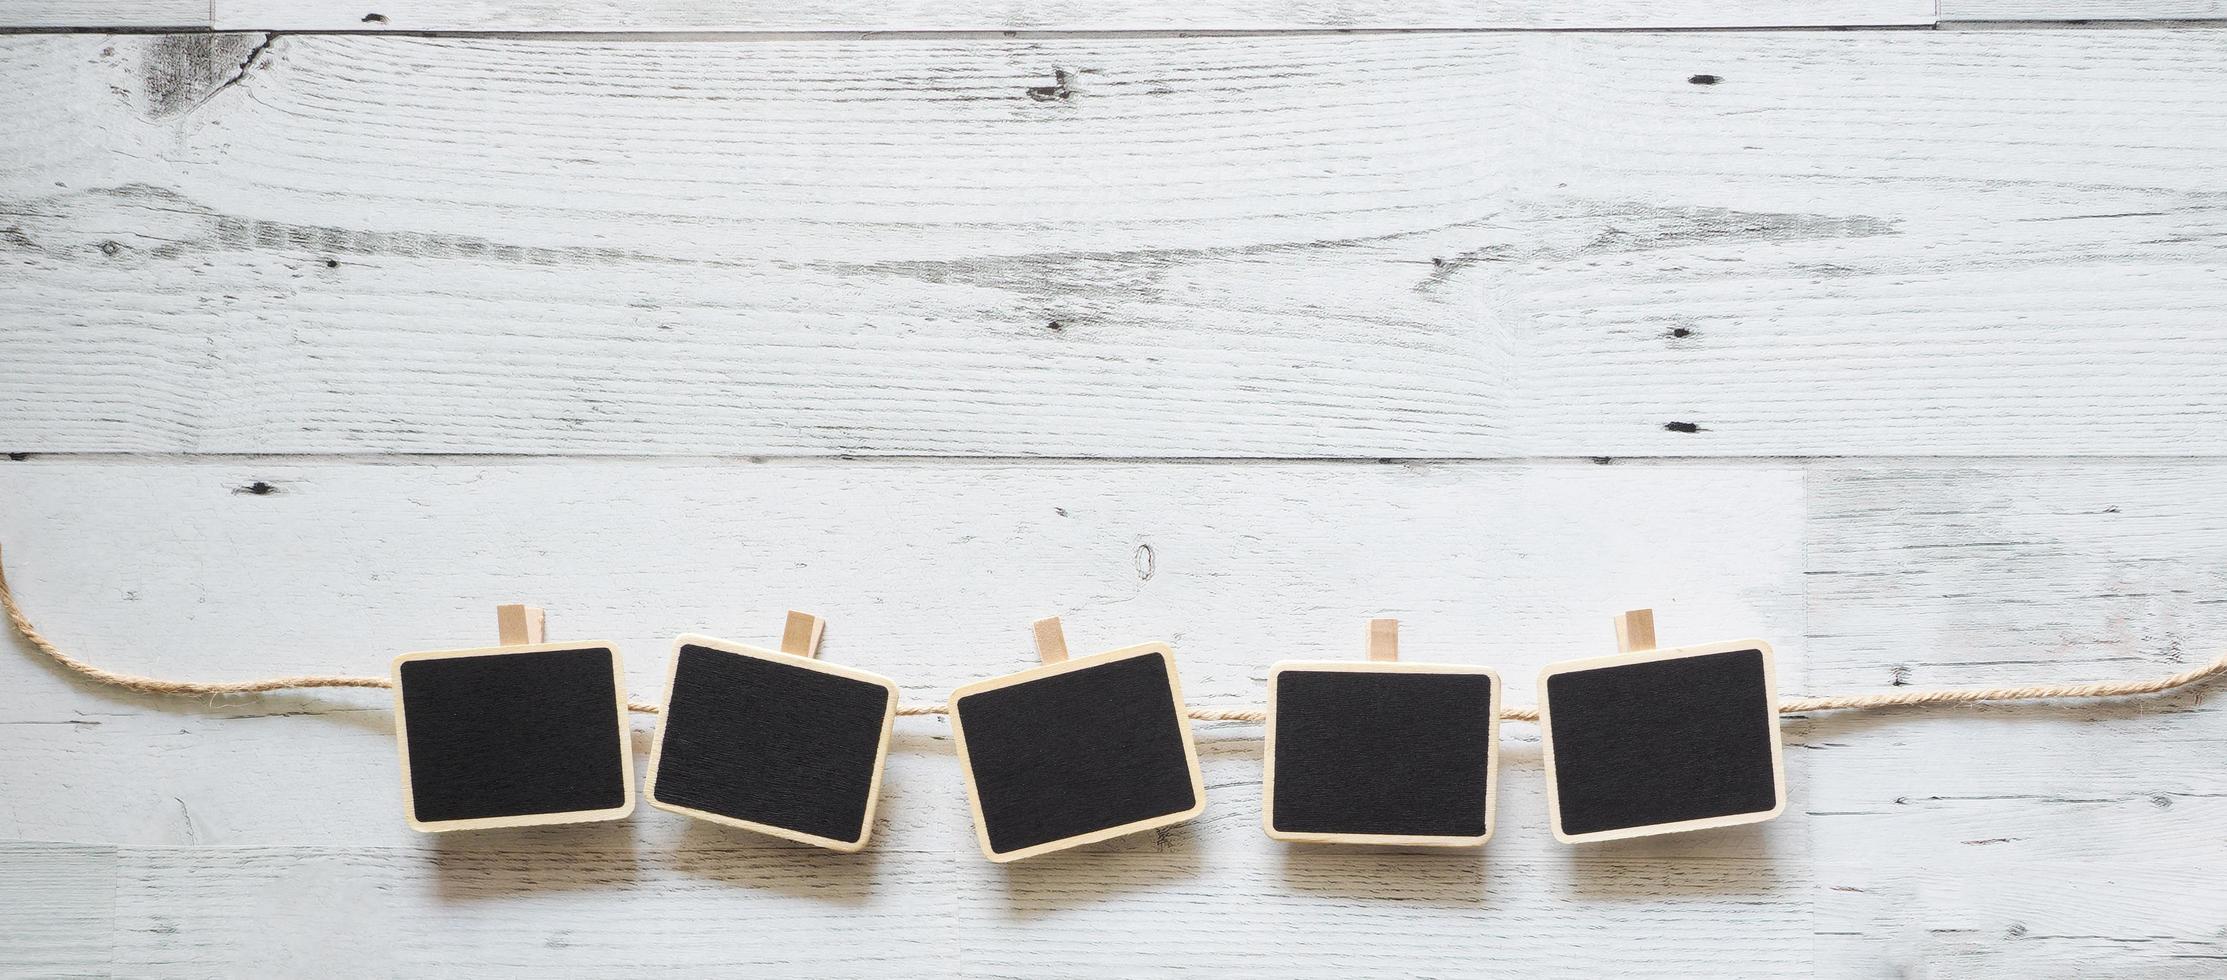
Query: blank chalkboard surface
<point>1381,753</point>
<point>772,742</point>
<point>1661,741</point>
<point>513,736</point>
<point>1077,751</point>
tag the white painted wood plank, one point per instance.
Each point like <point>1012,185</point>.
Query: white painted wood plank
<point>59,900</point>
<point>1400,245</point>
<point>1963,244</point>
<point>1144,283</point>
<point>1054,15</point>
<point>927,572</point>
<point>33,14</point>
<point>2018,840</point>
<point>1941,574</point>
<point>262,826</point>
<point>1994,840</point>
<point>2081,10</point>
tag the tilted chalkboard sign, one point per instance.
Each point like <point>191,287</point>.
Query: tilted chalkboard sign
<point>1660,741</point>
<point>514,735</point>
<point>778,743</point>
<point>1076,751</point>
<point>1381,752</point>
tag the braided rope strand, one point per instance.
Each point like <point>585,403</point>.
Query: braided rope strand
<point>1846,702</point>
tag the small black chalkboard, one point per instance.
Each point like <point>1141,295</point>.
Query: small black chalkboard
<point>772,742</point>
<point>1662,741</point>
<point>1381,753</point>
<point>1077,751</point>
<point>513,736</point>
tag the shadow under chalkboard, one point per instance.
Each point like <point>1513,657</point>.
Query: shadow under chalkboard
<point>483,864</point>
<point>1688,864</point>
<point>1435,877</point>
<point>1097,873</point>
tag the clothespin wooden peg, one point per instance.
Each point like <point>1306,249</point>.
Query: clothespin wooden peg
<point>800,636</point>
<point>1051,641</point>
<point>518,625</point>
<point>1635,631</point>
<point>1384,639</point>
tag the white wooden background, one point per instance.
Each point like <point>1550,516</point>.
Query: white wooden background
<point>1229,323</point>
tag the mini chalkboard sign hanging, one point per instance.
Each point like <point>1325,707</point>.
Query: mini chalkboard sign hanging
<point>1076,751</point>
<point>775,742</point>
<point>1660,741</point>
<point>1381,752</point>
<point>514,735</point>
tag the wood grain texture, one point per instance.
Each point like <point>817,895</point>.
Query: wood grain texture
<point>1943,841</point>
<point>191,561</point>
<point>2011,840</point>
<point>2081,10</point>
<point>1995,243</point>
<point>77,14</point>
<point>1363,246</point>
<point>1053,15</point>
<point>168,567</point>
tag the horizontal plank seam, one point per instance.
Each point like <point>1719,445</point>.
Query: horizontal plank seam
<point>1166,34</point>
<point>495,459</point>
<point>988,34</point>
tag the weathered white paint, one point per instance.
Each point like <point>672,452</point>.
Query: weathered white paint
<point>2056,840</point>
<point>1977,841</point>
<point>1408,245</point>
<point>1053,15</point>
<point>1997,243</point>
<point>28,14</point>
<point>2083,10</point>
<point>927,571</point>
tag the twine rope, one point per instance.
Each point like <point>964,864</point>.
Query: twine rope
<point>1788,706</point>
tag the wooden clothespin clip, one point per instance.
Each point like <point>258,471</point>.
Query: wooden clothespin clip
<point>518,625</point>
<point>1635,631</point>
<point>1384,639</point>
<point>1051,641</point>
<point>800,636</point>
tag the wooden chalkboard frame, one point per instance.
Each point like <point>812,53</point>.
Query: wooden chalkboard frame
<point>626,741</point>
<point>1183,725</point>
<point>1770,706</point>
<point>881,752</point>
<point>1268,751</point>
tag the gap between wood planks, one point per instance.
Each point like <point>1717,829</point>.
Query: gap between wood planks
<point>374,458</point>
<point>1051,35</point>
